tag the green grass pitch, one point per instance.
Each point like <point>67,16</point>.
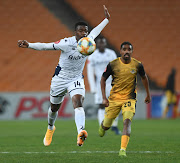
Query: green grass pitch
<point>151,141</point>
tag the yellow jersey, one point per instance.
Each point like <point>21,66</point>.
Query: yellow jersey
<point>124,78</point>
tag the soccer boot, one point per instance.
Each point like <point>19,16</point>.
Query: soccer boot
<point>116,130</point>
<point>101,131</point>
<point>81,137</point>
<point>48,137</point>
<point>122,153</point>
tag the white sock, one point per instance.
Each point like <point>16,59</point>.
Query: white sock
<point>51,118</point>
<point>100,115</point>
<point>79,119</point>
<point>115,123</point>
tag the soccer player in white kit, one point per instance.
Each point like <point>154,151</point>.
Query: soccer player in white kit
<point>97,62</point>
<point>68,76</point>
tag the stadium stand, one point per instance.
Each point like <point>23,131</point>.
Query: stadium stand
<point>26,69</point>
<point>151,26</point>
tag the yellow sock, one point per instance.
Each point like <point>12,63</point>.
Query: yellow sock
<point>124,141</point>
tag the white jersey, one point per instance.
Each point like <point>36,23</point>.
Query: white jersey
<point>71,62</point>
<point>97,64</point>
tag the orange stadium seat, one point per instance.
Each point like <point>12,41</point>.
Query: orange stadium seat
<point>151,26</point>
<point>26,69</point>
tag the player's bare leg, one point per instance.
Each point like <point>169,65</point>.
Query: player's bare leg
<point>52,115</point>
<point>105,125</point>
<point>77,101</point>
<point>125,137</point>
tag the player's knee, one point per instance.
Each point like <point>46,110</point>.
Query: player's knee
<point>77,101</point>
<point>55,107</point>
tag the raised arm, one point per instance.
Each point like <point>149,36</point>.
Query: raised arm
<point>97,30</point>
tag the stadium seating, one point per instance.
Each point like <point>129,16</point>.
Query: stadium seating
<point>25,69</point>
<point>151,26</point>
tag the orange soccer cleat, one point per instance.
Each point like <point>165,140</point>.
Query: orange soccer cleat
<point>48,137</point>
<point>81,137</point>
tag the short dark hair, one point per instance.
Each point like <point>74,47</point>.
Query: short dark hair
<point>80,23</point>
<point>126,43</point>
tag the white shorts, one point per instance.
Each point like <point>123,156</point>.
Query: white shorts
<point>98,95</point>
<point>59,88</point>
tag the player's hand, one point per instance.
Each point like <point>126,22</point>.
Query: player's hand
<point>23,44</point>
<point>106,13</point>
<point>147,99</point>
<point>105,102</point>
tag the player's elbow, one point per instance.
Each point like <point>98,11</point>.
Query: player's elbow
<point>144,77</point>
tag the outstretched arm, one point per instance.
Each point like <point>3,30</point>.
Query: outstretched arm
<point>97,30</point>
<point>146,85</point>
<point>36,46</point>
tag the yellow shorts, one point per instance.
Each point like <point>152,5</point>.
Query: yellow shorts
<point>126,115</point>
<point>171,97</point>
<point>114,108</point>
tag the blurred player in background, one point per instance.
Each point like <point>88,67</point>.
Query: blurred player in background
<point>68,76</point>
<point>170,94</point>
<point>124,72</point>
<point>97,63</point>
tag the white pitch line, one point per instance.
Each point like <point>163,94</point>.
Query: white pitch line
<point>83,152</point>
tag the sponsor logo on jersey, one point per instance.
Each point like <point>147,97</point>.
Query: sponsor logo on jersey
<point>76,57</point>
<point>133,71</point>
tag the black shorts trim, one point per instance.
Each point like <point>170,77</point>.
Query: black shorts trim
<point>75,89</point>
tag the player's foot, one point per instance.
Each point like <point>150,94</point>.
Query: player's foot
<point>48,137</point>
<point>116,130</point>
<point>81,137</point>
<point>122,153</point>
<point>101,131</point>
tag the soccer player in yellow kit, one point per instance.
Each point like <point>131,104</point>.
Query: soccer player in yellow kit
<point>124,72</point>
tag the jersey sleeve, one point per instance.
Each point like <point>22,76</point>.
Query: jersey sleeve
<point>97,30</point>
<point>41,46</point>
<point>107,72</point>
<point>61,45</point>
<point>141,70</point>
